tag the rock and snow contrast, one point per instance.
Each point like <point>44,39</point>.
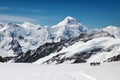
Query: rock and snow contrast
<point>26,48</point>
<point>106,71</point>
<point>30,36</point>
<point>67,42</point>
<point>15,38</point>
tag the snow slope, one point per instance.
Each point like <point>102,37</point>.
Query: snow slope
<point>107,47</point>
<point>106,71</point>
<point>114,30</point>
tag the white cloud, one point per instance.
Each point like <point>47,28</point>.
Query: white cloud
<point>11,18</point>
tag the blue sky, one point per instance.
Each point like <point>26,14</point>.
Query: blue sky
<point>92,13</point>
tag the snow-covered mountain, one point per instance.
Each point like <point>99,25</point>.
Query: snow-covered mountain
<point>75,50</point>
<point>18,38</point>
<point>26,36</point>
<point>113,30</point>
<point>67,42</point>
<point>66,29</point>
<point>96,49</point>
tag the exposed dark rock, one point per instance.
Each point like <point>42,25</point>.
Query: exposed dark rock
<point>15,46</point>
<point>115,58</point>
<point>1,59</point>
<point>42,51</point>
<point>8,58</point>
<point>77,58</point>
<point>49,48</point>
<point>102,34</point>
<point>20,37</point>
<point>55,58</point>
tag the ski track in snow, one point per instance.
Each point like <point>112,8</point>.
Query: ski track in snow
<point>88,76</point>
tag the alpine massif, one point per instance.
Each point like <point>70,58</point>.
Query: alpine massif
<point>67,42</point>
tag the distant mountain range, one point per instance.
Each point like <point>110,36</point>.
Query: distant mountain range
<point>67,42</point>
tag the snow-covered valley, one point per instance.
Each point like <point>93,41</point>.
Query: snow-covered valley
<point>83,71</point>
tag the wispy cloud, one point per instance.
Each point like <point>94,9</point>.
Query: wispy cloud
<point>11,18</point>
<point>43,20</point>
<point>4,8</point>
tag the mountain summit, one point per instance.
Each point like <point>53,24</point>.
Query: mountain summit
<point>68,28</point>
<point>68,20</point>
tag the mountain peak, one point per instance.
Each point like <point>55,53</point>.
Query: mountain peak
<point>30,25</point>
<point>68,21</point>
<point>68,18</point>
<point>112,27</point>
<point>27,24</point>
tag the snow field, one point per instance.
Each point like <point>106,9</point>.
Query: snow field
<point>106,71</point>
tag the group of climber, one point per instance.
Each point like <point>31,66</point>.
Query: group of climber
<point>94,63</point>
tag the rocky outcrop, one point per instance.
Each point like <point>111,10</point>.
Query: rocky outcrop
<point>1,59</point>
<point>115,58</point>
<point>42,51</point>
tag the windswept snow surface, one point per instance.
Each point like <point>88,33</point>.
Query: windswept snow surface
<point>106,71</point>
